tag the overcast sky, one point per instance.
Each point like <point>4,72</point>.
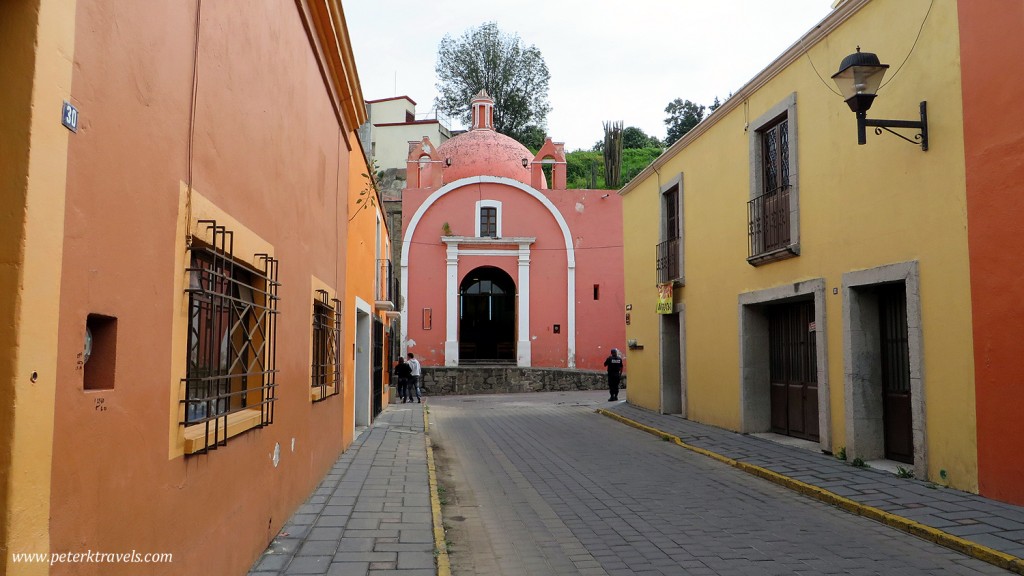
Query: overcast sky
<point>609,59</point>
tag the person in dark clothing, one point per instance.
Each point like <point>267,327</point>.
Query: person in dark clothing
<point>614,364</point>
<point>404,374</point>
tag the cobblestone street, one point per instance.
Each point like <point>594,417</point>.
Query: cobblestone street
<point>540,484</point>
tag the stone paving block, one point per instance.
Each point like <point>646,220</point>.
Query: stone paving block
<point>405,547</point>
<point>273,562</point>
<point>294,531</point>
<point>309,565</point>
<point>413,559</point>
<point>335,510</point>
<point>318,548</point>
<point>362,524</point>
<point>382,516</point>
<point>286,546</point>
<point>300,519</point>
<point>377,534</point>
<point>330,533</point>
<point>331,522</point>
<point>364,556</point>
<point>348,569</point>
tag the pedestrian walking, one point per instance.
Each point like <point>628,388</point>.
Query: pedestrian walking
<point>614,365</point>
<point>403,372</point>
<point>414,384</point>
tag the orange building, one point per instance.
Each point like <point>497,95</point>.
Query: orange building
<point>190,273</point>
<point>991,30</point>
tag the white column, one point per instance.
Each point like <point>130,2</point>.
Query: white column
<point>451,342</point>
<point>571,312</point>
<point>403,288</point>
<point>524,354</point>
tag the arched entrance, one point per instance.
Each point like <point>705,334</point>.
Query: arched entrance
<point>487,316</point>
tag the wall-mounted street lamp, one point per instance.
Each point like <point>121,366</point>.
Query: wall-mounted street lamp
<point>860,74</point>
<point>447,161</point>
<point>525,162</point>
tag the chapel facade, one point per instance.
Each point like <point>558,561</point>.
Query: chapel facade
<point>500,263</point>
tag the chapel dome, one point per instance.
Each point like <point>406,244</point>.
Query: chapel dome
<point>483,152</point>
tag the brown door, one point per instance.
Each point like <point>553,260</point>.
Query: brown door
<point>794,370</point>
<point>892,312</point>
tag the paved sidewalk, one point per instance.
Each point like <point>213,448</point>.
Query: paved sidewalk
<point>371,514</point>
<point>984,528</point>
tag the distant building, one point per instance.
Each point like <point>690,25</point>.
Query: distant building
<point>860,298</point>
<point>500,263</point>
<point>391,124</point>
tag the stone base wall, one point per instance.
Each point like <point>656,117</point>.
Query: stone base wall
<point>444,381</point>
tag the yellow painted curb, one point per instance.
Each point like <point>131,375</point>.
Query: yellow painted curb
<point>444,567</point>
<point>973,549</point>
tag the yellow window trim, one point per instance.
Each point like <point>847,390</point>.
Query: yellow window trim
<point>315,395</point>
<point>192,207</point>
<point>316,283</point>
<point>237,422</point>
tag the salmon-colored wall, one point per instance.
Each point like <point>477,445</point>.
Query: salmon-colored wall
<point>268,152</point>
<point>990,31</point>
<point>595,225</point>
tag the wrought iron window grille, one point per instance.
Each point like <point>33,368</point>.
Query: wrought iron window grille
<point>326,345</point>
<point>231,338</point>
<point>667,261</point>
<point>768,215</point>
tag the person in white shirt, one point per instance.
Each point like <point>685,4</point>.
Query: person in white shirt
<point>414,384</point>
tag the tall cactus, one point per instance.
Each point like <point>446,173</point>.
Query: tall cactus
<point>612,154</point>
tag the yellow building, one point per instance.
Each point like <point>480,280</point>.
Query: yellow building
<point>820,288</point>
<point>188,282</point>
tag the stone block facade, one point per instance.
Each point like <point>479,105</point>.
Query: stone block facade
<point>444,381</point>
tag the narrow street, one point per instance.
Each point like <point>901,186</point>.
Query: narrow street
<point>539,484</point>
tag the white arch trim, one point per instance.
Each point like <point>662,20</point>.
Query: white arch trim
<point>570,252</point>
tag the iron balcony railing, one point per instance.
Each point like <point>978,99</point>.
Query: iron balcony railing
<point>387,284</point>
<point>768,222</point>
<point>667,261</point>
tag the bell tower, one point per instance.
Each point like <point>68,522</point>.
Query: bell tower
<point>483,111</point>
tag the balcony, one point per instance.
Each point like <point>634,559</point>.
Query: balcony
<point>668,261</point>
<point>386,298</point>
<point>768,226</point>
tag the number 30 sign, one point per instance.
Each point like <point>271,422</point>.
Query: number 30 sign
<point>69,117</point>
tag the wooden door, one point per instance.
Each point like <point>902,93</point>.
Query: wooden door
<point>896,404</point>
<point>793,367</point>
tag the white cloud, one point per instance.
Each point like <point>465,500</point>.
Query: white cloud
<point>609,60</point>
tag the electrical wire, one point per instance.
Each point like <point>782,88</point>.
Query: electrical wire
<point>192,127</point>
<point>919,31</point>
<point>811,62</point>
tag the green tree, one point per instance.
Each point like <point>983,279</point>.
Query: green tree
<point>683,115</point>
<point>714,105</point>
<point>515,75</point>
<point>532,137</point>
<point>633,137</point>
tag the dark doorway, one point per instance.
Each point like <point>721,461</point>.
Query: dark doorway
<point>793,365</point>
<point>378,368</point>
<point>487,317</point>
<point>896,406</point>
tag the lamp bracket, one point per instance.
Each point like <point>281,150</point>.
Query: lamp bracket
<point>921,126</point>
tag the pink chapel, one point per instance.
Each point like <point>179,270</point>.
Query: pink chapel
<point>500,263</point>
